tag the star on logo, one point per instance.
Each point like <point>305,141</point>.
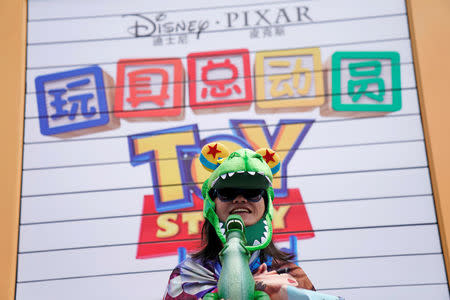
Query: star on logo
<point>269,156</point>
<point>213,150</point>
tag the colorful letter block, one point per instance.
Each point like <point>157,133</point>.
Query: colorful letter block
<point>219,79</point>
<point>149,88</point>
<point>289,79</point>
<point>367,82</point>
<point>74,102</point>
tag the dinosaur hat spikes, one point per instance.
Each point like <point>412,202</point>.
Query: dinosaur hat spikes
<point>244,169</point>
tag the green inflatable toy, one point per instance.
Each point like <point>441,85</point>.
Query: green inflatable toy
<point>243,169</point>
<point>236,281</point>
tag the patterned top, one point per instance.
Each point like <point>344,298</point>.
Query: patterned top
<point>192,279</point>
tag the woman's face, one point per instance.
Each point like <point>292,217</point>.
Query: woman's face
<point>250,211</point>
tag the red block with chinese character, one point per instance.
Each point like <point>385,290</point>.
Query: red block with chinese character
<point>219,79</point>
<point>149,88</point>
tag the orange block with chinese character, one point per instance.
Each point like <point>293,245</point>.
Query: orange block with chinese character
<point>149,88</point>
<point>219,79</point>
<point>289,79</point>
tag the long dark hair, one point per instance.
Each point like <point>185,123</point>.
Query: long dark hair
<point>212,246</point>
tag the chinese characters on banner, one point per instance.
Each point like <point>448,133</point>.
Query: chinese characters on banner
<point>219,79</point>
<point>289,79</point>
<point>363,84</point>
<point>149,88</point>
<point>74,102</point>
<point>358,84</point>
<point>366,81</point>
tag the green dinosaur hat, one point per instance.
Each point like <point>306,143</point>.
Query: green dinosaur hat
<point>243,169</point>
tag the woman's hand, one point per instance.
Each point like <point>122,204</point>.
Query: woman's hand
<point>271,282</point>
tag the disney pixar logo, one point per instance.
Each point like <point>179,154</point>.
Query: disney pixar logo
<point>164,23</point>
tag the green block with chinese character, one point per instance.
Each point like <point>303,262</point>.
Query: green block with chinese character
<point>366,81</point>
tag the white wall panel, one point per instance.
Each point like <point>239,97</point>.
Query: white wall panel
<point>319,161</point>
<point>349,31</point>
<point>402,270</point>
<point>349,243</point>
<point>377,271</point>
<point>115,26</point>
<point>364,181</point>
<point>323,216</point>
<point>377,184</point>
<point>324,9</point>
<point>410,292</point>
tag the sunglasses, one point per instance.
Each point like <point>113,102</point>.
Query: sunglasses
<point>227,195</point>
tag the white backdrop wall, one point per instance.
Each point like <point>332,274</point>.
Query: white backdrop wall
<point>364,181</point>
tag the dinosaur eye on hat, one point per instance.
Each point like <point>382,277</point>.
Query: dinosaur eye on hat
<point>271,158</point>
<point>212,155</point>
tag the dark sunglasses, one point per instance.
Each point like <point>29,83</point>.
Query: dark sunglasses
<point>227,195</point>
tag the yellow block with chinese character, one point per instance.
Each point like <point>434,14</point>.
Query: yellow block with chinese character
<point>289,79</point>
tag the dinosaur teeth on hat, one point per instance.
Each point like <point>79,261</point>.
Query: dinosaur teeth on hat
<point>266,229</point>
<point>221,227</point>
<point>265,235</point>
<point>214,182</point>
<point>242,179</point>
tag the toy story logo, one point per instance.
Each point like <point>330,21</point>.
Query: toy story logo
<point>86,100</point>
<point>173,214</point>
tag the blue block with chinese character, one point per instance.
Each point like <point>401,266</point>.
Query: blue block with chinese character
<point>72,101</point>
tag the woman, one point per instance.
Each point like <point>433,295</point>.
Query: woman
<point>241,183</point>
